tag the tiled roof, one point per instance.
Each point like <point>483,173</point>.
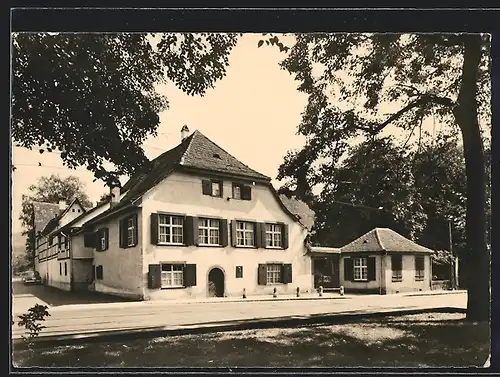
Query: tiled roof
<point>299,209</point>
<point>196,151</point>
<point>44,212</point>
<point>384,239</point>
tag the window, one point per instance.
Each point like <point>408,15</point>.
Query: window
<point>236,192</point>
<point>65,269</point>
<point>73,210</point>
<point>66,242</point>
<point>397,267</point>
<point>60,269</point>
<point>208,231</point>
<point>170,229</point>
<point>245,233</point>
<point>216,191</point>
<point>172,275</point>
<point>274,273</point>
<point>273,235</point>
<point>212,187</point>
<point>419,268</point>
<point>99,272</point>
<point>239,272</point>
<point>131,231</point>
<point>360,269</point>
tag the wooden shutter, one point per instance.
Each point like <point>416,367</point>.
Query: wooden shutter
<point>221,189</point>
<point>223,233</point>
<point>287,273</point>
<point>348,269</point>
<point>121,233</point>
<point>262,274</point>
<point>59,241</point>
<point>246,192</point>
<point>191,231</point>
<point>154,229</point>
<point>257,234</point>
<point>284,236</point>
<point>189,275</point>
<point>206,187</point>
<point>154,276</point>
<point>106,237</point>
<point>88,240</point>
<point>263,235</point>
<point>234,241</point>
<point>136,230</point>
<point>99,272</point>
<point>371,269</point>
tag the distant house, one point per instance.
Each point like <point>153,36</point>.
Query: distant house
<point>383,261</point>
<point>197,222</point>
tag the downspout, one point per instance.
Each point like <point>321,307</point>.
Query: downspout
<point>71,276</point>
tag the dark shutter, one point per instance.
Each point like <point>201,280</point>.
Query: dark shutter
<point>234,241</point>
<point>59,241</point>
<point>154,229</point>
<point>99,272</point>
<point>190,275</point>
<point>223,233</point>
<point>206,187</point>
<point>136,230</point>
<point>121,232</point>
<point>106,237</point>
<point>287,273</point>
<point>93,273</point>
<point>371,269</point>
<point>221,189</point>
<point>257,235</point>
<point>262,274</point>
<point>154,276</point>
<point>348,269</point>
<point>246,192</point>
<point>263,235</point>
<point>97,238</point>
<point>188,231</point>
<point>284,236</point>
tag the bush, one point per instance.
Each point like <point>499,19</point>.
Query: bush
<point>30,321</point>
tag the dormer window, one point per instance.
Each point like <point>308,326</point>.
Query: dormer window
<point>216,155</point>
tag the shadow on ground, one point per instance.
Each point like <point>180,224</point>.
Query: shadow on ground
<point>55,297</point>
<point>422,340</point>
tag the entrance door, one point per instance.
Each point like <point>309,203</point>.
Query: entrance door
<point>216,282</point>
<point>326,272</point>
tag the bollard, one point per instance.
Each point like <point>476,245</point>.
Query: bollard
<point>298,292</point>
<point>341,290</point>
<point>274,292</point>
<point>244,293</point>
<point>320,290</point>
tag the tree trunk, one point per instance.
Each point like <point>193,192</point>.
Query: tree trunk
<point>477,256</point>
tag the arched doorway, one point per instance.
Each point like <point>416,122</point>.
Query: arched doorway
<point>216,282</point>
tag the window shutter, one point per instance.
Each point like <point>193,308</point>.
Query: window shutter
<point>221,189</point>
<point>348,269</point>
<point>154,276</point>
<point>93,273</point>
<point>189,275</point>
<point>97,238</point>
<point>263,234</point>
<point>234,241</point>
<point>99,272</point>
<point>154,229</point>
<point>121,232</point>
<point>106,236</point>
<point>136,230</point>
<point>88,239</point>
<point>246,192</point>
<point>223,233</point>
<point>262,275</point>
<point>258,234</point>
<point>284,236</point>
<point>206,187</point>
<point>371,269</point>
<point>59,241</point>
<point>287,273</point>
<point>188,231</point>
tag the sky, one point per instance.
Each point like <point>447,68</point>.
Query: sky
<point>252,113</point>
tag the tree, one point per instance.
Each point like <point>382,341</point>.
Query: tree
<point>93,96</point>
<point>349,80</point>
<point>51,189</point>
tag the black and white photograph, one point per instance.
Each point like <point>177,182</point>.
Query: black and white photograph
<point>232,200</point>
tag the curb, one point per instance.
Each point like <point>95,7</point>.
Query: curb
<point>456,292</point>
<point>211,327</point>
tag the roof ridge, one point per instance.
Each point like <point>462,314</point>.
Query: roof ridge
<point>379,240</point>
<point>191,137</point>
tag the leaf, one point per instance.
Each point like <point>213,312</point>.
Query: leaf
<point>261,42</point>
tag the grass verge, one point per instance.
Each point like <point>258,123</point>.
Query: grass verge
<point>420,340</point>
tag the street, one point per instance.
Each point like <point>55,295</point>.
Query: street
<point>85,318</point>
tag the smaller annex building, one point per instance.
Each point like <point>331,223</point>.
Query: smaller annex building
<point>383,261</point>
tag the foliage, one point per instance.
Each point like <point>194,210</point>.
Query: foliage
<point>441,257</point>
<point>359,84</point>
<point>93,96</point>
<point>31,322</point>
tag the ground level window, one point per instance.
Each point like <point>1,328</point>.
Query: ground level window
<point>274,273</point>
<point>397,267</point>
<point>65,269</point>
<point>360,269</point>
<point>419,268</point>
<point>172,275</point>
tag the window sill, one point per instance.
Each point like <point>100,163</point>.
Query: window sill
<point>245,247</point>
<point>397,280</point>
<point>208,245</point>
<point>360,281</point>
<point>419,279</point>
<point>171,288</point>
<point>274,247</point>
<point>170,244</point>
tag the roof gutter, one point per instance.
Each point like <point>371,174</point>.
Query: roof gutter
<point>98,219</point>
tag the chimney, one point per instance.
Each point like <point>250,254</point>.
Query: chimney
<point>62,205</point>
<point>115,194</point>
<point>184,132</point>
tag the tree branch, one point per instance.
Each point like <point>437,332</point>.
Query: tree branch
<point>422,101</point>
